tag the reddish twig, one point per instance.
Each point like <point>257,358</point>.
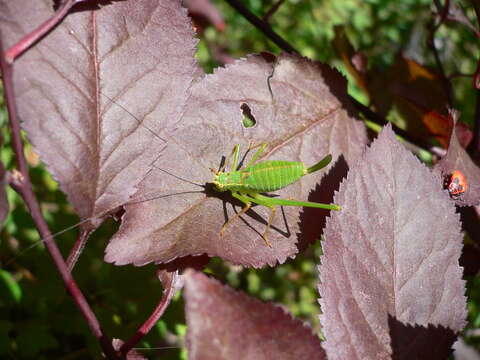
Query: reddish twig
<point>23,186</point>
<point>263,26</point>
<point>77,248</point>
<point>28,40</point>
<point>272,10</point>
<point>431,44</point>
<point>169,291</point>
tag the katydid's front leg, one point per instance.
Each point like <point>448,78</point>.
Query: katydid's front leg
<point>234,154</point>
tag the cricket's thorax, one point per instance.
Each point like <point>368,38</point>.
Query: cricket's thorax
<point>264,176</point>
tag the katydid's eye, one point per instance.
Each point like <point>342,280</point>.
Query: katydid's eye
<point>248,119</point>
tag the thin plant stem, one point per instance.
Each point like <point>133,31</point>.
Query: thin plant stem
<point>31,38</point>
<point>262,25</point>
<point>77,248</point>
<point>169,291</point>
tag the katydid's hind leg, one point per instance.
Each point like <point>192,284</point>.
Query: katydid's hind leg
<point>256,198</point>
<point>267,229</point>
<point>247,206</point>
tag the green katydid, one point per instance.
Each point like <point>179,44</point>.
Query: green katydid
<point>248,183</point>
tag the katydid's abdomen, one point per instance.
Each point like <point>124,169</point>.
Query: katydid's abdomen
<point>271,175</point>
<point>267,176</point>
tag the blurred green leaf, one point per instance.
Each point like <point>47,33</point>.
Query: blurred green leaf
<point>10,290</point>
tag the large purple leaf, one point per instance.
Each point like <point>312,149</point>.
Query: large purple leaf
<point>73,88</point>
<point>225,324</point>
<point>306,117</point>
<point>458,159</point>
<point>391,259</point>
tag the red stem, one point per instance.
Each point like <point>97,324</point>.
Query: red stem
<point>77,248</point>
<point>154,317</point>
<point>24,188</point>
<point>28,40</point>
<point>272,10</point>
<point>431,44</point>
<point>262,25</point>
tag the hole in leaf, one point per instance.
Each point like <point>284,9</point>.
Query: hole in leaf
<point>248,119</point>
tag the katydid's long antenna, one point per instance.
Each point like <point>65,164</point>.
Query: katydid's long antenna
<point>41,241</point>
<point>177,177</point>
<point>71,227</point>
<point>139,200</point>
<point>133,116</point>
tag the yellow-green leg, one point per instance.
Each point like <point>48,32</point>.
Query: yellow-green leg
<point>234,155</point>
<point>247,206</point>
<point>267,229</point>
<point>255,198</point>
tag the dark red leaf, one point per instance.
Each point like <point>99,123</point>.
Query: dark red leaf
<point>226,324</point>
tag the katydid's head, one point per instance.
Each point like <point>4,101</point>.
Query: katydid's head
<point>219,180</point>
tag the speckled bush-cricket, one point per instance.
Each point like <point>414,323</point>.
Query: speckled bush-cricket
<point>248,183</point>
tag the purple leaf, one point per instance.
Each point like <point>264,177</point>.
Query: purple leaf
<point>458,159</point>
<point>225,324</point>
<point>306,117</point>
<point>392,251</point>
<point>65,86</point>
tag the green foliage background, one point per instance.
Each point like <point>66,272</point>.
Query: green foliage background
<point>37,317</point>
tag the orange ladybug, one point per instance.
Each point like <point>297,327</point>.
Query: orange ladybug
<point>456,184</point>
